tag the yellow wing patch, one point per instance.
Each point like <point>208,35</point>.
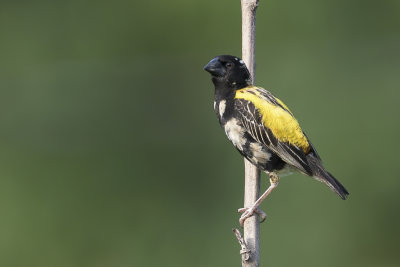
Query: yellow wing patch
<point>282,124</point>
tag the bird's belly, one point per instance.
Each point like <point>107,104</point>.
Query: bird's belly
<point>258,154</point>
<point>263,158</point>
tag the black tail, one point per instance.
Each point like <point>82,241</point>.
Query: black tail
<point>324,176</point>
<point>335,185</point>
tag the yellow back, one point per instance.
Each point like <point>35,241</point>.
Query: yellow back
<point>280,121</point>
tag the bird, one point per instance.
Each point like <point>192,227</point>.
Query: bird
<point>263,129</point>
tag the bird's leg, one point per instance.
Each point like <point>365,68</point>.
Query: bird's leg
<point>248,212</point>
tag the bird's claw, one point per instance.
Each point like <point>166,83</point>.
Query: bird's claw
<point>248,212</point>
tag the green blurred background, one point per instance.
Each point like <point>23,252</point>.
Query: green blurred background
<point>111,154</point>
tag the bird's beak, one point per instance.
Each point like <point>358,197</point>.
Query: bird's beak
<point>215,68</point>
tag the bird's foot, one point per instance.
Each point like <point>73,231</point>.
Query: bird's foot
<point>273,179</point>
<point>248,212</point>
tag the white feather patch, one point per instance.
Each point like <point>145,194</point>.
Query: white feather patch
<point>260,154</point>
<point>222,106</point>
<point>235,133</point>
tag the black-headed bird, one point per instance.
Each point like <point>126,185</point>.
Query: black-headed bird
<point>263,129</point>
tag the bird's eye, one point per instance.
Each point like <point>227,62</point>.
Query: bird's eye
<point>229,65</point>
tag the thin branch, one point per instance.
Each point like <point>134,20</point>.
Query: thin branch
<point>251,228</point>
<point>245,252</point>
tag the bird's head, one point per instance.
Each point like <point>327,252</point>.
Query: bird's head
<point>229,72</point>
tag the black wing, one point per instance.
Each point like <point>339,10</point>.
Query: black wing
<point>253,122</point>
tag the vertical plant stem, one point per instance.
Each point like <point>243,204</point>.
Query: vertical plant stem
<point>251,226</point>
